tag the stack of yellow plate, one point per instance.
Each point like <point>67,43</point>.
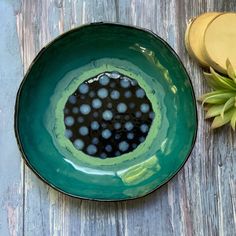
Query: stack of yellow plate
<point>211,38</point>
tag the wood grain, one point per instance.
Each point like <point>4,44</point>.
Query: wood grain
<point>11,165</point>
<point>200,200</point>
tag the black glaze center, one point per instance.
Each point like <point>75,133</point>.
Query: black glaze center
<point>108,115</point>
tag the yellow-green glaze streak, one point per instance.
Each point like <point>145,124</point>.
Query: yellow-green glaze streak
<point>140,172</point>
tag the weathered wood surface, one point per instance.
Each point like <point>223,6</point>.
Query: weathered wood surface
<point>200,200</point>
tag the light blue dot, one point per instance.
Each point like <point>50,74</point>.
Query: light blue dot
<point>134,82</point>
<point>83,88</point>
<point>115,75</point>
<point>152,115</point>
<point>85,109</point>
<point>128,94</point>
<point>107,115</point>
<point>68,133</point>
<point>124,83</point>
<point>75,110</point>
<point>123,146</point>
<point>79,144</point>
<point>144,128</point>
<point>104,80</point>
<point>108,148</point>
<point>117,153</point>
<point>129,125</point>
<point>96,103</point>
<point>106,133</point>
<point>69,121</point>
<point>140,93</point>
<point>95,140</point>
<point>95,125</point>
<point>138,114</point>
<point>130,135</point>
<point>83,130</point>
<point>141,139</point>
<point>102,93</point>
<point>117,125</point>
<point>121,107</point>
<point>72,99</point>
<point>66,111</point>
<point>134,145</point>
<point>115,94</point>
<point>103,155</point>
<point>144,108</point>
<point>80,119</point>
<point>91,149</point>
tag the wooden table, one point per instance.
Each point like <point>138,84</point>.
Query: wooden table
<point>200,200</point>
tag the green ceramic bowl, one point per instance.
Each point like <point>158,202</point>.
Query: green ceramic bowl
<point>106,112</point>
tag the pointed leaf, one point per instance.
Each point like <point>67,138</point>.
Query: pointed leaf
<point>204,96</point>
<point>233,120</point>
<point>218,98</point>
<point>210,81</point>
<point>219,121</point>
<point>222,81</point>
<point>228,104</point>
<point>215,110</point>
<point>230,70</point>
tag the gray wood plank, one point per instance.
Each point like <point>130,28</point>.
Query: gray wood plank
<point>11,166</point>
<point>206,170</point>
<point>200,200</point>
<point>46,211</point>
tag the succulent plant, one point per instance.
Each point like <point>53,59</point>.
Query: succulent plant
<point>220,103</point>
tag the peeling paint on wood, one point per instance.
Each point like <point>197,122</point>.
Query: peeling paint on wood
<point>200,200</point>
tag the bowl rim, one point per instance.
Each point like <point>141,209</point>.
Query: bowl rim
<point>16,111</point>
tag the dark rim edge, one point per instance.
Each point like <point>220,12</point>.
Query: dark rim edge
<point>24,156</point>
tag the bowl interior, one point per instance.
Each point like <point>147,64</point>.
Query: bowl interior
<point>129,49</point>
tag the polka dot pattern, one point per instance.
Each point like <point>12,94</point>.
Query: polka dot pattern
<point>96,103</point>
<point>69,121</point>
<point>79,144</point>
<point>121,107</point>
<point>83,88</point>
<point>108,115</point>
<point>85,109</point>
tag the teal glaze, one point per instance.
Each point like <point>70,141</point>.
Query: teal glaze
<point>88,50</point>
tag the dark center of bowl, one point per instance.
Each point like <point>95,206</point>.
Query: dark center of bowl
<point>108,115</point>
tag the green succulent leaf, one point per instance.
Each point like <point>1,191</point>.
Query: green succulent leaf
<point>220,103</point>
<point>219,121</point>
<point>230,70</point>
<point>233,120</point>
<point>204,96</point>
<point>214,110</point>
<point>216,97</point>
<point>211,82</point>
<point>228,104</point>
<point>223,82</point>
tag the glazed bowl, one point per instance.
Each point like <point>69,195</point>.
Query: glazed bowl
<point>106,112</point>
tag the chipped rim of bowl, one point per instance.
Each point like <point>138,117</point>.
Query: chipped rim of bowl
<point>23,154</point>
